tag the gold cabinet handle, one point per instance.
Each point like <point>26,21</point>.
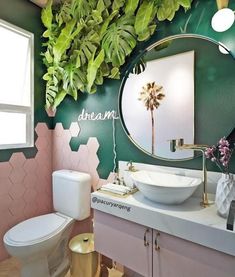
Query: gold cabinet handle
<point>157,247</point>
<point>146,243</point>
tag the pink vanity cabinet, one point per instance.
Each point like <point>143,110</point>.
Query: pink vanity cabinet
<point>125,242</point>
<point>175,257</point>
<point>157,254</point>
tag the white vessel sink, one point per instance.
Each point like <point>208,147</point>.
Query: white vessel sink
<point>165,188</point>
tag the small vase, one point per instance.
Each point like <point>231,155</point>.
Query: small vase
<point>225,193</point>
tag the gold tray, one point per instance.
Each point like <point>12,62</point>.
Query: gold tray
<point>116,194</point>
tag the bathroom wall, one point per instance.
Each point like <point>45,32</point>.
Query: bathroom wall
<point>195,21</point>
<point>86,145</point>
<point>25,174</point>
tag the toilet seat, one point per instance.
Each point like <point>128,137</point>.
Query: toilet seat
<point>44,226</point>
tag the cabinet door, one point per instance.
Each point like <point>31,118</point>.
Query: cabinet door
<point>180,258</point>
<point>123,241</point>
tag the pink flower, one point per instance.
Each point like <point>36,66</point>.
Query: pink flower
<point>210,152</point>
<point>221,154</point>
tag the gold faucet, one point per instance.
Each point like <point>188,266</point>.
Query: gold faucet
<point>179,144</point>
<point>131,167</point>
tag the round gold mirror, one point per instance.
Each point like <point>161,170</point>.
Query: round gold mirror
<point>179,88</point>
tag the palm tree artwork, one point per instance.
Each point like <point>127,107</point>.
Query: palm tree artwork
<point>151,95</point>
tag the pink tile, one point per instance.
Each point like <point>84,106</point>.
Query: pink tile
<point>83,166</point>
<point>17,191</point>
<point>5,202</point>
<point>93,145</point>
<point>5,185</point>
<point>74,129</point>
<point>30,166</point>
<point>6,221</point>
<point>41,129</point>
<point>83,151</point>
<point>58,131</point>
<point>93,161</point>
<point>31,210</point>
<point>17,160</point>
<point>43,158</point>
<point>74,158</point>
<point>101,183</point>
<point>17,175</point>
<point>30,195</point>
<point>5,169</point>
<point>94,179</point>
<point>66,137</point>
<point>41,143</point>
<point>44,206</point>
<point>112,176</point>
<point>30,181</point>
<point>17,208</point>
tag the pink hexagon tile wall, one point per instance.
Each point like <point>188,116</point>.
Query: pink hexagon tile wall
<point>84,159</point>
<point>25,184</point>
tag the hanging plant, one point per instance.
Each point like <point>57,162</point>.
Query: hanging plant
<point>87,40</point>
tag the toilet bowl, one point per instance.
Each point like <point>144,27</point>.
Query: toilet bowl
<point>41,243</point>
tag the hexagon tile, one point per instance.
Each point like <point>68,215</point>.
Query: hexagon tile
<point>84,159</point>
<point>22,193</point>
<point>25,184</point>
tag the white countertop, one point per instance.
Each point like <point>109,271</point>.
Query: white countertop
<point>188,221</point>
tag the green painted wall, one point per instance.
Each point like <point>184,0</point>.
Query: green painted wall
<point>195,21</point>
<point>26,15</point>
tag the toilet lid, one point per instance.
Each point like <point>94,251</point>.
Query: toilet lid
<point>43,227</point>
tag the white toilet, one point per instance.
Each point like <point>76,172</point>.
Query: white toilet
<point>40,243</point>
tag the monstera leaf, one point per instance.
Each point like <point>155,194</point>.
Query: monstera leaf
<point>93,66</point>
<point>117,4</point>
<point>131,6</point>
<point>86,47</point>
<point>144,17</point>
<point>64,40</point>
<point>119,40</point>
<point>167,9</point>
<point>87,40</point>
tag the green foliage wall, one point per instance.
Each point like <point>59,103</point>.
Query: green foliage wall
<point>196,21</point>
<point>88,40</point>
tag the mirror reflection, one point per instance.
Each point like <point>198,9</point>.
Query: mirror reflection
<point>176,94</point>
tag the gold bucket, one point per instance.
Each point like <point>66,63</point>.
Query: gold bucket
<point>85,261</point>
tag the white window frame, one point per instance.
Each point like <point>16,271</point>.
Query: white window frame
<point>27,110</point>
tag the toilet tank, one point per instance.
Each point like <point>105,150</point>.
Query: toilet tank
<point>71,193</point>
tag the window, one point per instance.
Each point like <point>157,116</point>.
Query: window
<point>16,87</point>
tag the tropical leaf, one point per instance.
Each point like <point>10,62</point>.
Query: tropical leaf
<point>58,99</point>
<point>119,40</point>
<point>47,15</point>
<point>185,3</point>
<point>117,4</point>
<point>51,93</point>
<point>106,23</point>
<point>144,18</point>
<point>73,80</point>
<point>167,9</point>
<point>93,66</point>
<point>87,40</point>
<point>115,73</point>
<point>82,8</point>
<point>86,48</point>
<point>63,41</point>
<point>131,6</point>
